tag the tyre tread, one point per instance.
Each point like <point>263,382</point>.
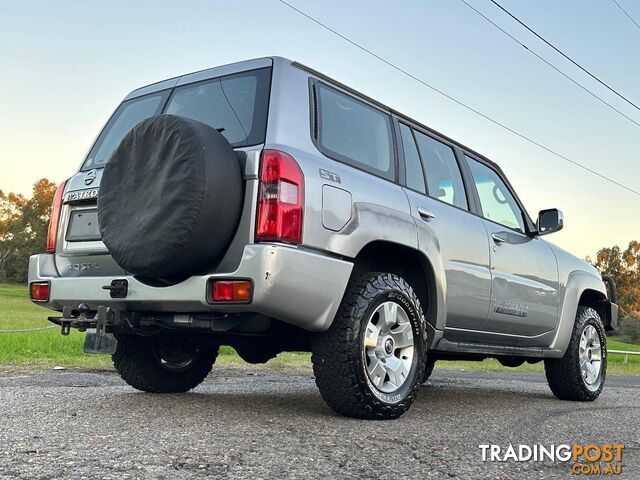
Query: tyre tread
<point>563,374</point>
<point>336,352</point>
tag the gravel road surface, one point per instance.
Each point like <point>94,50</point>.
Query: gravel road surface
<point>273,424</point>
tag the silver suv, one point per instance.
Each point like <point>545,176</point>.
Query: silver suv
<point>267,207</point>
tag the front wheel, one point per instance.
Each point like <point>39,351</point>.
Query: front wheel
<point>580,373</point>
<point>371,361</point>
<point>163,363</point>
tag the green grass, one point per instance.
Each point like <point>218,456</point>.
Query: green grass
<point>40,348</point>
<point>47,348</point>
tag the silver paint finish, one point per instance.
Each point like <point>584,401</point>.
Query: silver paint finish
<point>336,207</point>
<point>525,273</point>
<point>456,244</point>
<point>275,269</point>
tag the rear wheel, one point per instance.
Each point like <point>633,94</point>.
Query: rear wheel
<point>581,372</point>
<point>370,362</point>
<point>163,363</point>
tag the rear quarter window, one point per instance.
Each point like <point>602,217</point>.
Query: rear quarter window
<point>354,132</point>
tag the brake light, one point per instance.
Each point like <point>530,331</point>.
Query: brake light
<point>39,291</point>
<point>280,198</point>
<point>56,206</point>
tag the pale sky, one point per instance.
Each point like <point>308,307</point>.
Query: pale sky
<point>66,65</point>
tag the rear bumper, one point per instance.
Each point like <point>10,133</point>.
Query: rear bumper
<point>291,284</point>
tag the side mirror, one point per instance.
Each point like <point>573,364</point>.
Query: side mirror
<point>550,221</point>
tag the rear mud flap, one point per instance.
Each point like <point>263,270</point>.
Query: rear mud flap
<point>105,343</point>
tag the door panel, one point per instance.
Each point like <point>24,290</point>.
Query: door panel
<point>459,239</point>
<point>454,240</point>
<point>524,299</point>
<point>524,294</point>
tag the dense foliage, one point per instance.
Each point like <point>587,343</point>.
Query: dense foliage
<point>624,267</point>
<point>23,229</point>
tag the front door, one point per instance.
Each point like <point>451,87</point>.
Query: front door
<point>524,293</point>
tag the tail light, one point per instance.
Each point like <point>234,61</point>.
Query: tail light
<point>280,198</point>
<point>39,291</point>
<point>236,291</point>
<point>54,220</point>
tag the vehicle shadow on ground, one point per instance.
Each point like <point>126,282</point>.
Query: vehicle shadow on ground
<point>303,400</point>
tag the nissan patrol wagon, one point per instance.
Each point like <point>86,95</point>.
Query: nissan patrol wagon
<point>265,206</point>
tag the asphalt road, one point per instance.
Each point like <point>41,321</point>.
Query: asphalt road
<point>270,424</point>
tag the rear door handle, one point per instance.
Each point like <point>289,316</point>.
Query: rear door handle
<point>497,239</point>
<point>425,214</point>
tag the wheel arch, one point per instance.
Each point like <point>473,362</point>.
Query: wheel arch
<point>582,289</point>
<point>414,266</point>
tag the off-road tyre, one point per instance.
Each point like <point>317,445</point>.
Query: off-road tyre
<point>564,374</point>
<point>136,360</point>
<point>338,355</point>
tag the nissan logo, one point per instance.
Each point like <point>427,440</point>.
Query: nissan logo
<point>90,177</point>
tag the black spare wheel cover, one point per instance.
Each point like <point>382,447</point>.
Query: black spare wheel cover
<point>170,198</point>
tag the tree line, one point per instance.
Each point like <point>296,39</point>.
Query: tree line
<point>23,229</point>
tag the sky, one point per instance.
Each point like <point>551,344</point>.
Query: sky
<point>66,65</point>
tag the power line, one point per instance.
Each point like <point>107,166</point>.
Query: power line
<point>564,54</point>
<point>458,102</point>
<point>626,13</point>
<point>539,57</point>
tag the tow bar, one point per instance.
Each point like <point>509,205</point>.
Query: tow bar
<point>98,340</point>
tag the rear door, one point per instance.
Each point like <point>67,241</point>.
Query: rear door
<point>524,298</point>
<point>233,99</point>
<point>454,239</point>
<point>81,251</point>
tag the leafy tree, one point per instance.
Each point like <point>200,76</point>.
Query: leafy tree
<point>23,229</point>
<point>624,267</point>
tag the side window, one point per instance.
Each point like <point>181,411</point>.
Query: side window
<point>354,133</point>
<point>444,180</point>
<point>413,166</point>
<point>497,202</point>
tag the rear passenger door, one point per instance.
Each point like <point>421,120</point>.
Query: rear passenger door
<point>524,298</point>
<point>453,239</point>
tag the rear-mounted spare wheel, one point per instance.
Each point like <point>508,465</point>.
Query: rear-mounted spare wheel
<point>170,198</point>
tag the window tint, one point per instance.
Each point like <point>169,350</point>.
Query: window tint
<point>236,105</point>
<point>444,180</point>
<point>498,205</point>
<point>413,166</point>
<point>127,116</point>
<point>355,133</point>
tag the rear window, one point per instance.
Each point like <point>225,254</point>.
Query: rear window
<point>353,132</point>
<point>236,105</point>
<point>127,116</point>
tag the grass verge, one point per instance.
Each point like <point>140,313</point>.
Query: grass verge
<point>47,348</point>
